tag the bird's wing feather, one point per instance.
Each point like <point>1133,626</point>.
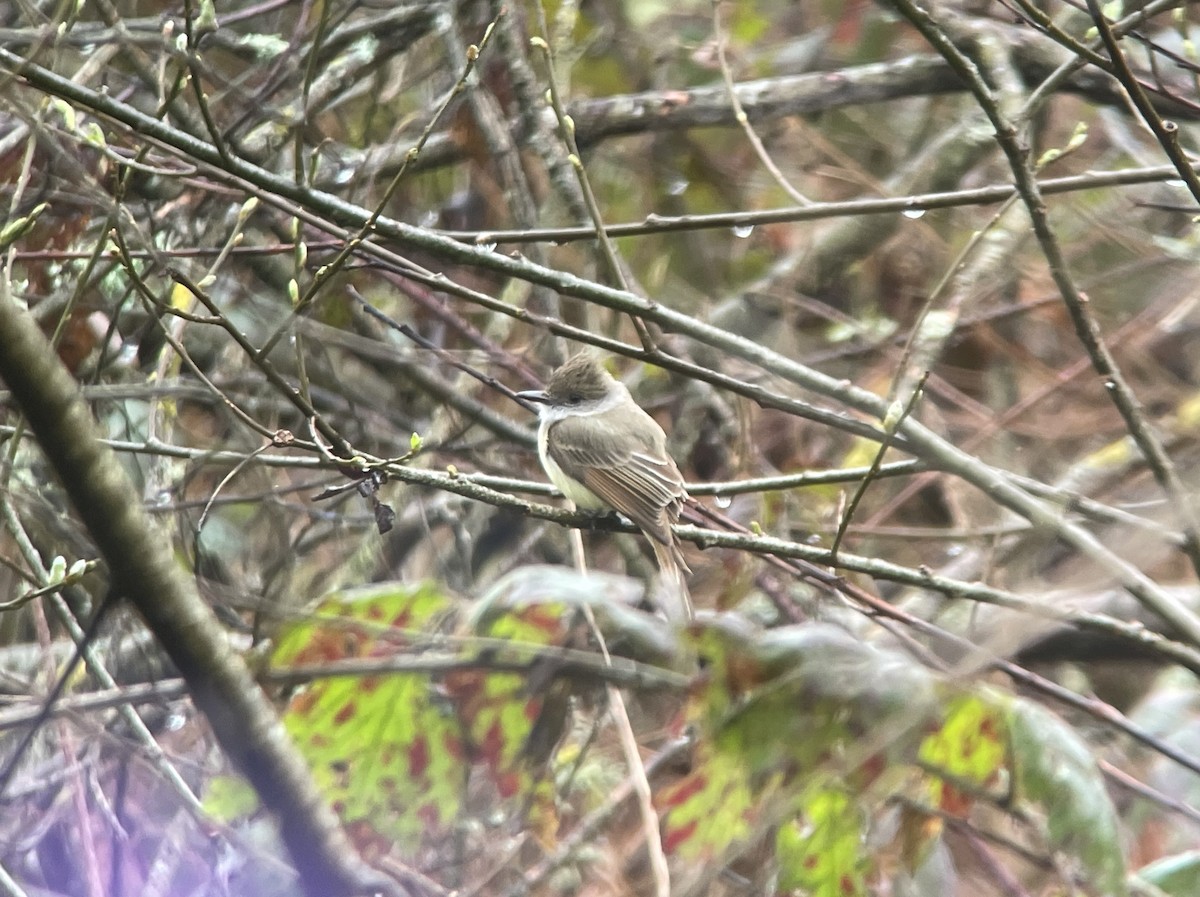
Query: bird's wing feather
<point>643,483</point>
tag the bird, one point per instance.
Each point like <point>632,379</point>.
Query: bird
<point>604,452</point>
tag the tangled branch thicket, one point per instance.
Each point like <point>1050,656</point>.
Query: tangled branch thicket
<point>912,289</point>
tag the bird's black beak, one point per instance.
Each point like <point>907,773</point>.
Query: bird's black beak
<point>534,395</point>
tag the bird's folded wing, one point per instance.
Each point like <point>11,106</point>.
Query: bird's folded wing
<point>646,488</point>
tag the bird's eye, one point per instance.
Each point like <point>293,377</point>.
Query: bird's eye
<point>574,398</point>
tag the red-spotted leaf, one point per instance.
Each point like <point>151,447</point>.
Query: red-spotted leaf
<point>382,748</point>
<point>775,713</point>
<point>969,748</point>
<point>499,711</point>
<point>710,809</point>
<point>822,850</point>
<point>792,695</point>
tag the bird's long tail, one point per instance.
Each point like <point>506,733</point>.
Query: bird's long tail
<point>673,596</point>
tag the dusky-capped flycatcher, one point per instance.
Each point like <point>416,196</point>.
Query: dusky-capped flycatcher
<point>604,452</point>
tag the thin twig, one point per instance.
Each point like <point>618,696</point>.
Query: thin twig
<point>629,746</point>
<point>739,113</point>
<point>566,130</point>
<point>891,423</point>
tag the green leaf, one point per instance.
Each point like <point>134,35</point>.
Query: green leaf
<point>1177,875</point>
<point>206,19</point>
<point>92,133</point>
<point>67,111</point>
<point>16,229</point>
<point>1054,769</point>
<point>229,799</point>
<point>265,47</point>
<point>58,569</point>
<point>747,24</point>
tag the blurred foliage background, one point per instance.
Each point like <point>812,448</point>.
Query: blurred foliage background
<point>299,255</point>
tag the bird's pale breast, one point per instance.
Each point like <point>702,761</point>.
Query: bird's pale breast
<point>574,490</point>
